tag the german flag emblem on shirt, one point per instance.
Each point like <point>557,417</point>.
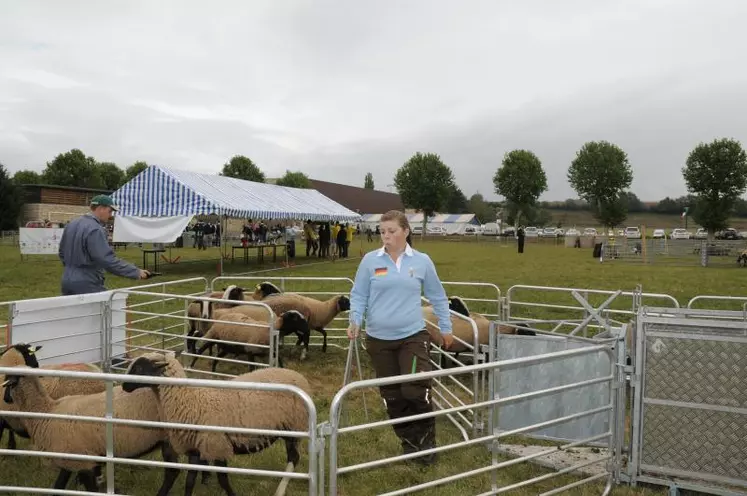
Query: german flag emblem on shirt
<point>381,271</point>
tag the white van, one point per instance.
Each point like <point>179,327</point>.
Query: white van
<point>491,229</point>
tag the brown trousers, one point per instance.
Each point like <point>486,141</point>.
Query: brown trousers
<point>400,357</point>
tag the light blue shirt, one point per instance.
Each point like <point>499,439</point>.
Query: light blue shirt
<point>389,293</point>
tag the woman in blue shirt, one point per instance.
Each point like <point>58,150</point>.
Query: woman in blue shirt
<point>387,289</point>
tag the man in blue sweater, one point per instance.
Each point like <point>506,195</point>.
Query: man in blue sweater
<point>85,252</point>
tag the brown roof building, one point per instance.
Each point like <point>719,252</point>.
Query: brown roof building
<point>362,200</point>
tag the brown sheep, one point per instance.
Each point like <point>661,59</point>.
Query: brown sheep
<point>291,322</point>
<point>75,437</point>
<point>272,410</point>
<point>21,354</point>
<point>199,309</point>
<point>279,304</point>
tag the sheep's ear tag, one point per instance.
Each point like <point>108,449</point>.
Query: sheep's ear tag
<point>32,350</point>
<point>259,286</point>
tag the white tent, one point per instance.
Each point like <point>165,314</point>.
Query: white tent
<point>452,223</point>
<point>157,204</point>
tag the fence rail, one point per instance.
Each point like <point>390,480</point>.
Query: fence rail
<point>110,460</point>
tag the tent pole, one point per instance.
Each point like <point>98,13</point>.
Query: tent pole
<point>223,226</point>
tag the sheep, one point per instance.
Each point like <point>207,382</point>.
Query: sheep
<point>264,289</point>
<point>463,330</point>
<point>199,309</point>
<point>291,322</point>
<point>70,436</point>
<point>225,407</point>
<point>279,304</point>
<point>322,311</point>
<point>21,354</point>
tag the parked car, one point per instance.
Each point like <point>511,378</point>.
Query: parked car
<point>531,232</point>
<point>435,231</point>
<point>573,232</point>
<point>590,231</point>
<point>632,233</point>
<point>472,231</point>
<point>680,233</point>
<point>659,234</point>
<point>548,232</point>
<point>701,233</point>
<point>729,233</point>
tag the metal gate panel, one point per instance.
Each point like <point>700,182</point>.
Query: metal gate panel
<point>547,375</point>
<point>690,418</point>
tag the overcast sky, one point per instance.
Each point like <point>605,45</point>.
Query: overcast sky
<point>340,88</point>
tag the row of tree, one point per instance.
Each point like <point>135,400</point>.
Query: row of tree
<point>715,174</point>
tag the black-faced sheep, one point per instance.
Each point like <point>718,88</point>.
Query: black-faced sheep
<point>291,322</point>
<point>265,289</point>
<point>70,436</point>
<point>21,354</point>
<point>322,311</point>
<point>228,408</point>
<point>200,309</point>
<point>279,304</point>
<point>463,330</point>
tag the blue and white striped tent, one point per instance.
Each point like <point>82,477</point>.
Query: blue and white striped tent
<point>164,192</point>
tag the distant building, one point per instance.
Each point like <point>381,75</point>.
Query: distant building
<point>362,200</point>
<point>56,203</point>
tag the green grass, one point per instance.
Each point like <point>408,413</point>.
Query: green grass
<point>492,262</point>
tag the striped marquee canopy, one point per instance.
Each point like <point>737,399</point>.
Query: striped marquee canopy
<point>164,192</point>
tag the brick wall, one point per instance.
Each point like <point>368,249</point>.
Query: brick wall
<point>51,211</point>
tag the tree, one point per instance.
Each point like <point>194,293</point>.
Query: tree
<point>456,203</point>
<point>242,167</point>
<point>134,170</point>
<point>482,210</point>
<point>717,173</point>
<point>112,176</point>
<point>73,168</point>
<point>27,177</point>
<point>11,201</point>
<point>601,174</point>
<point>424,183</point>
<point>634,203</point>
<point>520,180</point>
<point>295,180</point>
<point>368,183</point>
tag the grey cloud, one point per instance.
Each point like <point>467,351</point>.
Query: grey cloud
<point>339,88</point>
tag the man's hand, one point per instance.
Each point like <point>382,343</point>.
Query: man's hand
<point>448,340</point>
<point>353,331</point>
<point>144,274</point>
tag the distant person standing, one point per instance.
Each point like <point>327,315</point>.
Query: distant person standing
<point>342,236</point>
<point>348,239</point>
<point>520,235</point>
<point>85,252</point>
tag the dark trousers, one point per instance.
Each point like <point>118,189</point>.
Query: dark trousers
<point>521,244</point>
<point>401,357</point>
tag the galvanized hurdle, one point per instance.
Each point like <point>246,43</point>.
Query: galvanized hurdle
<point>690,405</point>
<point>110,460</point>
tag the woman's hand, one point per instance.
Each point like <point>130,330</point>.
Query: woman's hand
<point>448,340</point>
<point>353,331</point>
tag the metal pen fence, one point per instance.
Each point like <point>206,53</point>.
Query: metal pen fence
<point>594,309</point>
<point>167,340</point>
<point>611,377</point>
<point>300,285</point>
<point>109,458</point>
<point>689,405</point>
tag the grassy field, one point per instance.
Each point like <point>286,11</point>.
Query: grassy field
<point>496,263</point>
<point>582,219</point>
